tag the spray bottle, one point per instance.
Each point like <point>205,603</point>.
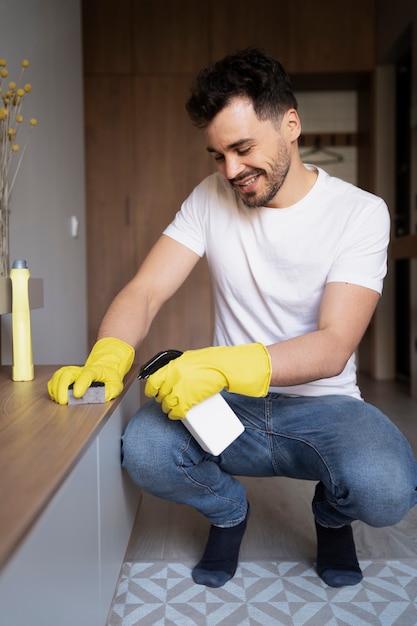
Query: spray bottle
<point>212,422</point>
<point>22,368</point>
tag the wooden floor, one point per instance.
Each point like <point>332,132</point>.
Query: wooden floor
<point>281,525</point>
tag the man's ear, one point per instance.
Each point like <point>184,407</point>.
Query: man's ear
<point>292,124</point>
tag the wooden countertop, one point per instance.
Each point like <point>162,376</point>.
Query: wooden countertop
<point>40,443</point>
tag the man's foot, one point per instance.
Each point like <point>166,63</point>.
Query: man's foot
<point>220,558</point>
<point>337,564</point>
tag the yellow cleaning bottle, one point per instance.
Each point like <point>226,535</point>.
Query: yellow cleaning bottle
<point>22,368</point>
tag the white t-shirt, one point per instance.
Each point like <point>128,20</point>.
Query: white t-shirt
<point>269,266</point>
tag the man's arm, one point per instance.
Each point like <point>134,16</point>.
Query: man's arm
<point>345,313</point>
<point>249,369</point>
<point>162,273</point>
<point>127,322</point>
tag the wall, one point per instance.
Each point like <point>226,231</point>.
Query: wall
<point>50,185</point>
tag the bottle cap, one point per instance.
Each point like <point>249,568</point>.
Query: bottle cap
<point>20,264</point>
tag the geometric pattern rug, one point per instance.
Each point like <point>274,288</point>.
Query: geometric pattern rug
<point>265,593</point>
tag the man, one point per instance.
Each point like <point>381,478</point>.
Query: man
<point>297,259</point>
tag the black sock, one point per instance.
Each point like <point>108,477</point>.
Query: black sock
<point>220,558</point>
<point>337,563</point>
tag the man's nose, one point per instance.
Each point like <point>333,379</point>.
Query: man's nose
<point>233,167</point>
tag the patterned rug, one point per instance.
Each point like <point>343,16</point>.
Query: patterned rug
<point>266,594</point>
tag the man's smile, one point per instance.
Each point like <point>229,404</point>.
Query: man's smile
<point>249,182</point>
<point>246,183</point>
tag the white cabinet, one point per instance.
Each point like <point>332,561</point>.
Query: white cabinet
<point>65,571</point>
<point>118,501</point>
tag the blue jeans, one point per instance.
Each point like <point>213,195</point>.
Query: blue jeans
<point>364,466</point>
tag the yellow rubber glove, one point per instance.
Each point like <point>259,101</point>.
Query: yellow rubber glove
<point>198,374</point>
<point>108,362</point>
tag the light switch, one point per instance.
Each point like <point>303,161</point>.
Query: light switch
<point>74,226</point>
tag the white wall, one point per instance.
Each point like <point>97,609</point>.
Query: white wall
<point>50,184</point>
<point>330,112</point>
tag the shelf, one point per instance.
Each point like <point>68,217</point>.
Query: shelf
<point>35,294</point>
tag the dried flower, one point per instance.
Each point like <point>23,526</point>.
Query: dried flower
<point>11,118</point>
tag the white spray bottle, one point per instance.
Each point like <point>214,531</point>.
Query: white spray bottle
<point>212,422</point>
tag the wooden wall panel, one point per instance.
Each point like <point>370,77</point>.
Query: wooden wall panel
<point>170,154</point>
<point>140,58</point>
<point>171,36</point>
<point>246,24</point>
<point>331,36</point>
<point>170,160</point>
<point>109,161</point>
<point>107,36</point>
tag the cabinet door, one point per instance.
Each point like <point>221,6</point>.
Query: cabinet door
<point>109,163</point>
<point>240,25</point>
<point>53,578</point>
<point>171,37</point>
<point>117,500</point>
<point>170,158</point>
<point>331,36</point>
<point>107,36</point>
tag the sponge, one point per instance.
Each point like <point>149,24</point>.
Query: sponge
<point>95,394</point>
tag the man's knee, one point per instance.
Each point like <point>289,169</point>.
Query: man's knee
<point>141,442</point>
<point>153,447</point>
<point>386,495</point>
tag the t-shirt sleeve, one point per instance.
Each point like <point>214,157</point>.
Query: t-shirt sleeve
<point>187,225</point>
<point>362,258</point>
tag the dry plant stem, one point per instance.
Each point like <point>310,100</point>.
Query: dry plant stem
<point>4,241</point>
<point>12,96</point>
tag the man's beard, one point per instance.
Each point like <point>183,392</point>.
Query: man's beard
<point>274,181</point>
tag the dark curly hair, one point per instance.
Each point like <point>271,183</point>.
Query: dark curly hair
<point>249,73</point>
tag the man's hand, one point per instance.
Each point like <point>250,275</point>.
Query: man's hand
<point>109,361</point>
<point>198,374</point>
